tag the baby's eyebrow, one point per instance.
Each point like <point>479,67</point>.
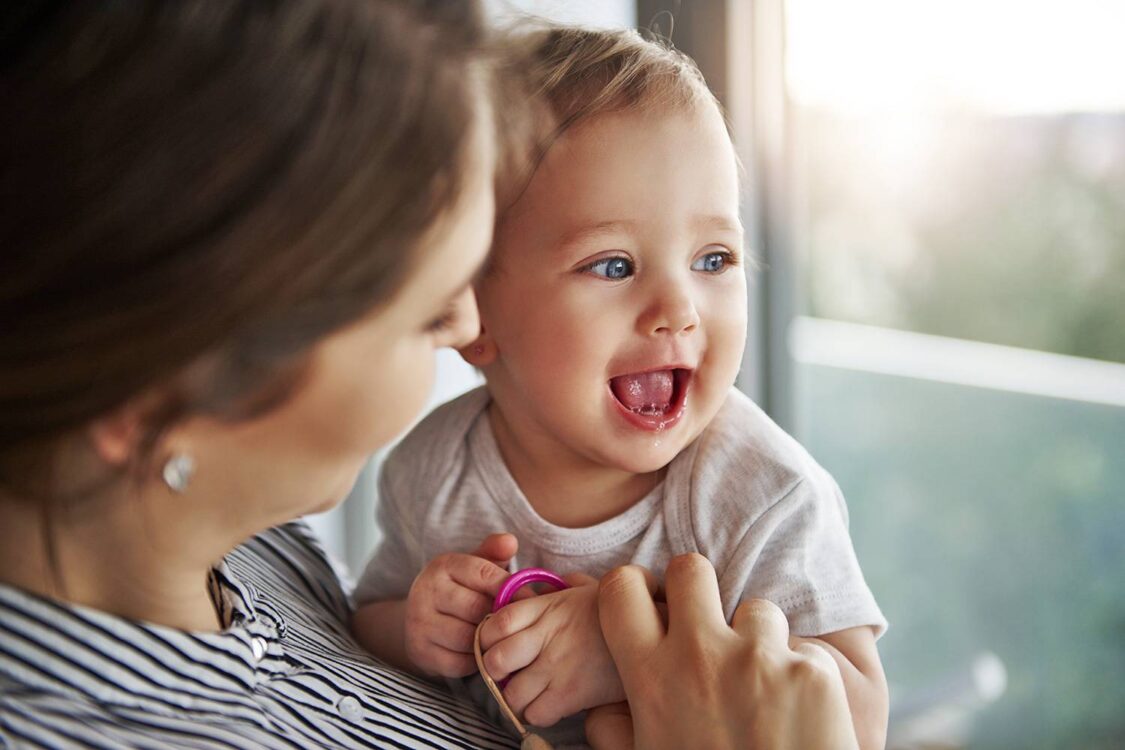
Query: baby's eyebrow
<point>719,223</point>
<point>615,228</point>
<point>589,232</point>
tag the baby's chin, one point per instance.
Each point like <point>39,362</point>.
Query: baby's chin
<point>644,456</point>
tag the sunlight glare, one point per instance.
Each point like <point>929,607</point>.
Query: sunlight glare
<point>986,56</point>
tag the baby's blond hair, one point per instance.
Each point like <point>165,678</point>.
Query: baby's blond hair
<point>582,72</point>
<point>573,73</point>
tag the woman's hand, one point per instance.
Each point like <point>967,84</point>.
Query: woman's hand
<point>555,643</point>
<point>697,682</point>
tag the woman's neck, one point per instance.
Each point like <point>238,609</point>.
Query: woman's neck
<point>105,554</point>
<point>569,493</point>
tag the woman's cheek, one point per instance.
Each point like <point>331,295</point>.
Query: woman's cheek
<point>399,394</point>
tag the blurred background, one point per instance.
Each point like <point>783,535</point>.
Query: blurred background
<point>936,191</point>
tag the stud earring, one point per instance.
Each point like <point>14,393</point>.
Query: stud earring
<point>478,349</point>
<point>177,472</point>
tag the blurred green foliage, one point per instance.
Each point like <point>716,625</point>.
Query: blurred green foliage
<point>1006,230</point>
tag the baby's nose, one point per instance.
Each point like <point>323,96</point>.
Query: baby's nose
<point>672,311</point>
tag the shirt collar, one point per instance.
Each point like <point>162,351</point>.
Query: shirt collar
<point>57,647</point>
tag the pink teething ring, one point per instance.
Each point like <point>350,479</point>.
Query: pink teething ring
<point>521,578</point>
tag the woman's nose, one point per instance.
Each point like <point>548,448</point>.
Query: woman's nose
<point>671,311</point>
<point>466,320</point>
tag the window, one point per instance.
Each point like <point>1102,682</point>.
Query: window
<point>955,192</point>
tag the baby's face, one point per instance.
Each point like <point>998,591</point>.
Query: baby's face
<point>618,303</point>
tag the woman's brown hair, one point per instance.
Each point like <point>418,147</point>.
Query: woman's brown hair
<point>210,188</point>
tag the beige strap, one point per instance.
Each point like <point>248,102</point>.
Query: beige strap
<point>528,741</point>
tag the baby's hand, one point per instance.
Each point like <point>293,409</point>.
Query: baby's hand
<point>447,600</point>
<point>555,641</point>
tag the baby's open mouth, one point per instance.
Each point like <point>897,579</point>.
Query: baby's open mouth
<point>651,394</point>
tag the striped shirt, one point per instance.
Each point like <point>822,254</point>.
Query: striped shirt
<point>286,673</point>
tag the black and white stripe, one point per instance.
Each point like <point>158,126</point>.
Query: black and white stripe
<point>286,674</point>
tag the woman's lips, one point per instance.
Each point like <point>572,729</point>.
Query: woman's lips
<point>654,400</point>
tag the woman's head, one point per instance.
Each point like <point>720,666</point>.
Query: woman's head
<point>197,195</point>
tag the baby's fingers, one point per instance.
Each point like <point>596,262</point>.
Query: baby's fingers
<point>476,573</point>
<point>580,579</point>
<point>547,708</point>
<point>463,603</point>
<point>447,663</point>
<point>452,634</point>
<point>512,619</point>
<point>435,646</point>
<point>610,727</point>
<point>524,689</point>
<point>513,654</point>
<point>499,548</point>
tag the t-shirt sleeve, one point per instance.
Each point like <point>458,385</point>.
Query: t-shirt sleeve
<point>397,558</point>
<point>799,555</point>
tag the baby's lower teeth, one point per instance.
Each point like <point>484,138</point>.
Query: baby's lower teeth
<point>649,410</point>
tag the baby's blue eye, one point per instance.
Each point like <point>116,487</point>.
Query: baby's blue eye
<point>612,268</point>
<point>711,263</point>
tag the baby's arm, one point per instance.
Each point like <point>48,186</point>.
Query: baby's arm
<point>555,643</point>
<point>855,653</point>
<point>430,632</point>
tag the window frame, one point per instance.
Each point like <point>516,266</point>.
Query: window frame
<point>739,48</point>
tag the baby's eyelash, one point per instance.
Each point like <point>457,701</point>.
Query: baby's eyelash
<point>622,266</point>
<point>726,260</point>
<point>731,258</point>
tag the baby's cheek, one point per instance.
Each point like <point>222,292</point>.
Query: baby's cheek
<point>727,334</point>
<point>544,343</point>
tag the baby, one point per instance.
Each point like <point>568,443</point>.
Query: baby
<point>613,320</point>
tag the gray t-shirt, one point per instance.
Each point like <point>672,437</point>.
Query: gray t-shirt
<point>744,494</point>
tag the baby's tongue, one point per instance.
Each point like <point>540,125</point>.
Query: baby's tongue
<point>641,390</point>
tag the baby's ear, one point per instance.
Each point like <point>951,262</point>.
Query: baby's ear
<point>481,351</point>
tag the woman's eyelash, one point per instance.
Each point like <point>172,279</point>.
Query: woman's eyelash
<point>442,323</point>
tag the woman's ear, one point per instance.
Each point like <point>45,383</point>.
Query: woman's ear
<point>481,351</point>
<point>115,436</point>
